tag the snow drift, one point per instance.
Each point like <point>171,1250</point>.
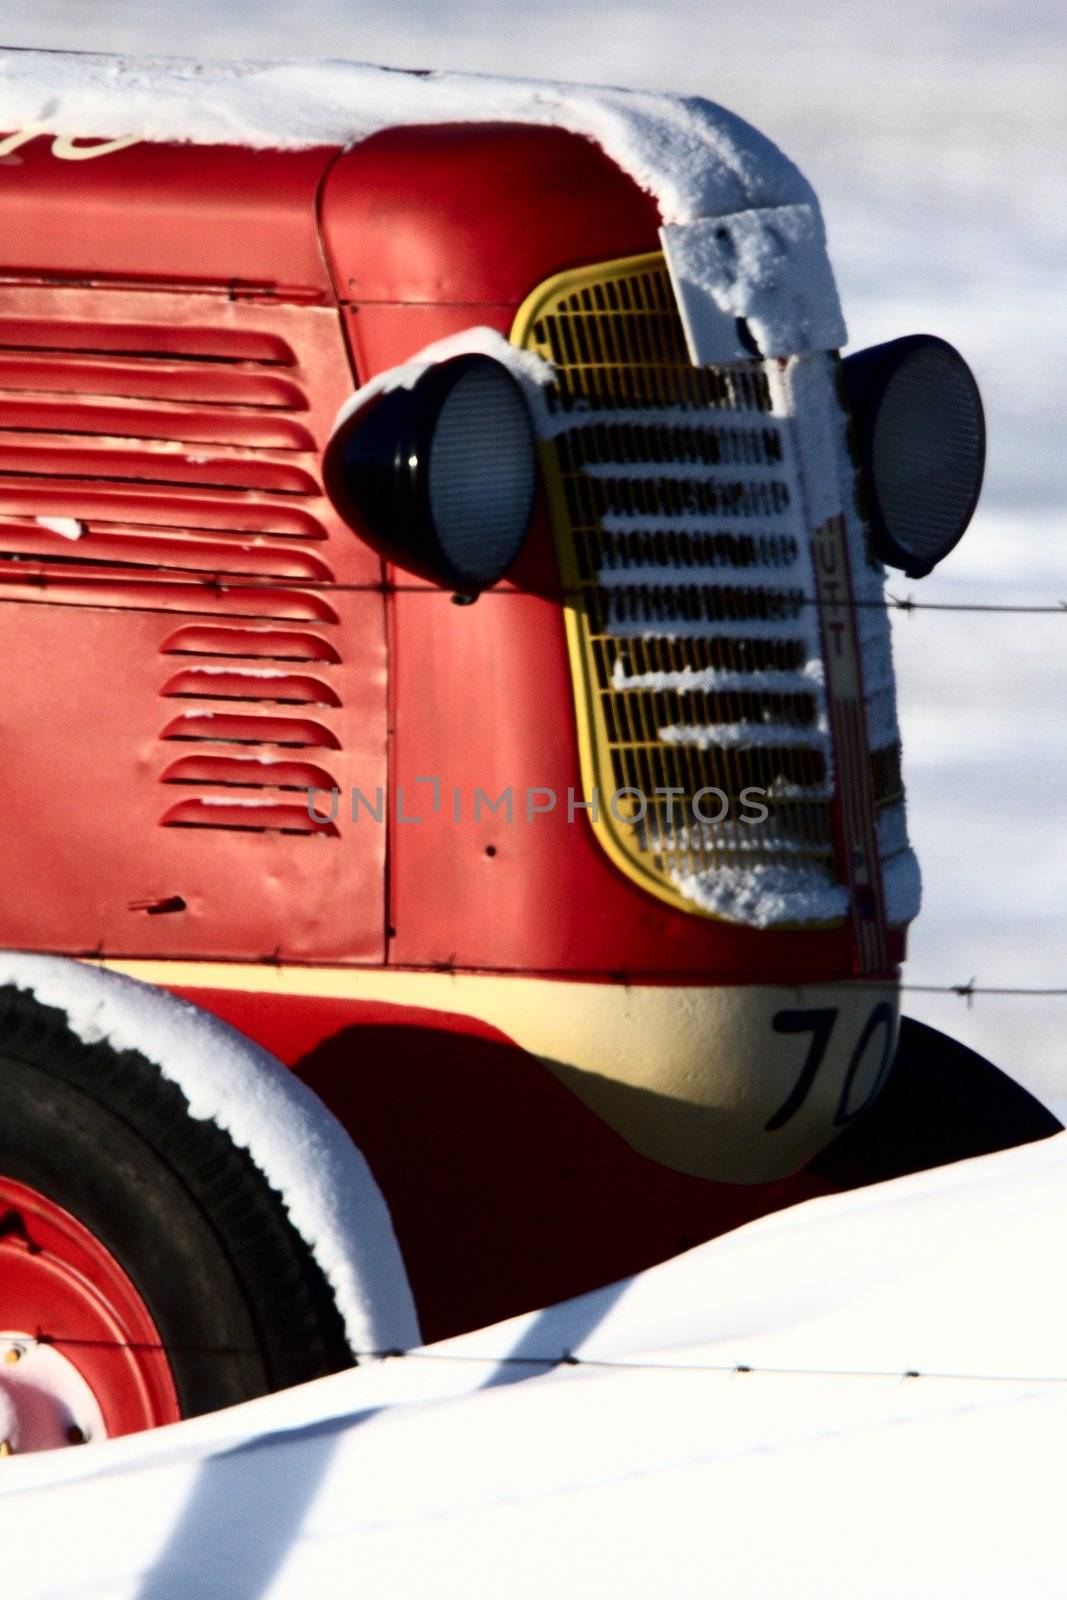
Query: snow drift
<point>864,1395</point>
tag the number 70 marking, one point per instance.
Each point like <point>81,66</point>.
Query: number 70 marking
<point>820,1024</point>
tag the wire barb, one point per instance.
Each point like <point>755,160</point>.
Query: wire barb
<point>968,991</point>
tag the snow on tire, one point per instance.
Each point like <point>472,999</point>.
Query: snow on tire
<point>149,1267</point>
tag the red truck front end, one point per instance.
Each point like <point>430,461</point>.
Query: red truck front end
<point>595,940</point>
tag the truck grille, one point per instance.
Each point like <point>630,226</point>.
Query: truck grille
<point>696,658</point>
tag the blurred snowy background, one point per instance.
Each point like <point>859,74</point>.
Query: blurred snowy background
<point>934,132</point>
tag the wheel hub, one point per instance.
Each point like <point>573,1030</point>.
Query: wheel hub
<point>45,1402</point>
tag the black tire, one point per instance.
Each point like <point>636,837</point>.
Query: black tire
<point>942,1102</point>
<point>241,1305</point>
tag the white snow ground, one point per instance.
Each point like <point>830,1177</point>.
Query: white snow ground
<point>902,1430</point>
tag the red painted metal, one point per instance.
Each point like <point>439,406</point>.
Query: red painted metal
<point>506,1192</point>
<point>476,214</point>
<point>59,1283</point>
<point>399,214</point>
<point>170,214</point>
<point>547,899</point>
<point>113,689</point>
<point>178,328</point>
<point>200,421</point>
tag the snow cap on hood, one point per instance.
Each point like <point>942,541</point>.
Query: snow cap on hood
<point>696,159</point>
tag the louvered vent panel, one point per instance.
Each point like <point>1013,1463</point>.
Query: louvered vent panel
<point>697,663</point>
<point>169,443</point>
<point>140,462</point>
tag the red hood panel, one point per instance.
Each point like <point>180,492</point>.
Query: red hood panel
<point>174,213</point>
<point>476,214</point>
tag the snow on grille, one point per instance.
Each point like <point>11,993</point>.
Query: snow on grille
<point>697,661</point>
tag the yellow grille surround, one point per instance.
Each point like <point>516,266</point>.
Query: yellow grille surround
<point>677,512</point>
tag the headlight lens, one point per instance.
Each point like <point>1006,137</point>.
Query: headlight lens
<point>481,473</point>
<point>921,436</point>
<point>440,477</point>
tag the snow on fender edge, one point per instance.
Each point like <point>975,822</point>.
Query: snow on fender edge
<point>300,1148</point>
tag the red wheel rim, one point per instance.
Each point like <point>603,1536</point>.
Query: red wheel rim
<point>61,1287</point>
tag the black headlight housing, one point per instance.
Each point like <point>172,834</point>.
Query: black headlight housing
<point>440,476</point>
<point>920,433</point>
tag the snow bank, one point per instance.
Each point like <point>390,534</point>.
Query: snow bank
<point>303,1152</point>
<point>695,158</point>
<point>865,1395</point>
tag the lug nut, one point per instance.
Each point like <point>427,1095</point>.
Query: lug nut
<point>13,1353</point>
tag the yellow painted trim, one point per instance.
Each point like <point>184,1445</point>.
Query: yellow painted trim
<point>594,752</point>
<point>257,977</point>
<point>688,1077</point>
<point>574,279</point>
<point>594,746</point>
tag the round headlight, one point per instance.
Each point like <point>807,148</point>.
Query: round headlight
<point>440,477</point>
<point>921,437</point>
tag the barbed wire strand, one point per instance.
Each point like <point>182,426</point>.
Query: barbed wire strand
<point>969,991</point>
<point>216,583</point>
<point>722,1368</point>
<point>567,1359</point>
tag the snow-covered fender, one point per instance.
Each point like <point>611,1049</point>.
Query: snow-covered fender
<point>300,1148</point>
